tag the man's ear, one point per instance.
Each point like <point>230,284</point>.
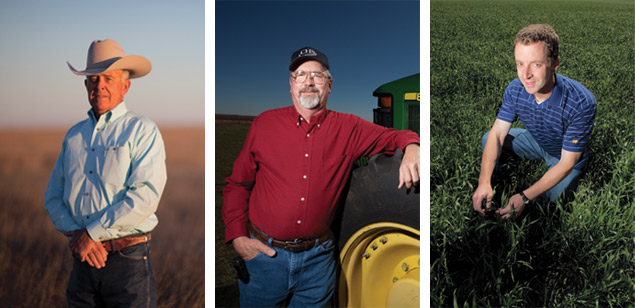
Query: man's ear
<point>556,64</point>
<point>126,86</point>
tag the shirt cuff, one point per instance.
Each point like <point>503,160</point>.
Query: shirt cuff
<point>407,140</point>
<point>235,230</point>
<point>97,232</point>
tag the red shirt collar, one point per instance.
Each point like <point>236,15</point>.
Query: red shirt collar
<point>315,120</point>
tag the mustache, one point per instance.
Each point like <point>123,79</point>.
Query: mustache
<point>309,89</point>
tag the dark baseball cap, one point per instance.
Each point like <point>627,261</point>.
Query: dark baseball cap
<point>307,54</point>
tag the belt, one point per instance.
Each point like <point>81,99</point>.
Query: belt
<point>123,242</point>
<point>293,246</point>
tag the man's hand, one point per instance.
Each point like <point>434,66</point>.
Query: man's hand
<point>88,250</point>
<point>248,248</point>
<point>409,168</point>
<point>483,192</point>
<point>516,202</point>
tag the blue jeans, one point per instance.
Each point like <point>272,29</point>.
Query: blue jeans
<point>524,145</point>
<point>308,278</point>
<point>126,281</point>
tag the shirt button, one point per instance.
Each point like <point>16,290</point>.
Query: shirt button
<point>302,199</point>
<point>87,194</point>
<point>93,149</point>
<point>299,222</point>
<point>304,177</point>
<point>306,155</point>
<point>307,135</point>
<point>318,125</point>
<point>91,171</point>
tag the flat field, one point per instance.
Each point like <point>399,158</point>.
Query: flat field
<point>570,255</point>
<point>35,260</point>
<point>229,141</point>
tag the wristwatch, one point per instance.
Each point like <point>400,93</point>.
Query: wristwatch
<point>525,199</point>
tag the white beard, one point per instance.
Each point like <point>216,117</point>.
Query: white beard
<point>311,101</point>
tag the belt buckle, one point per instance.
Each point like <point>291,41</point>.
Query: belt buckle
<point>294,242</point>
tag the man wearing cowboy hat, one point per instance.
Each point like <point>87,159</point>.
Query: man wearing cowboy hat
<point>283,193</point>
<point>106,186</point>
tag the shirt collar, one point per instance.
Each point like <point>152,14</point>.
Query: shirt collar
<point>316,119</point>
<point>556,93</point>
<point>111,114</point>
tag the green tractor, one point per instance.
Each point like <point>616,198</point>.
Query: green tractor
<point>379,227</point>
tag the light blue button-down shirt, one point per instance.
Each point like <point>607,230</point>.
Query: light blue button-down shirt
<point>109,176</point>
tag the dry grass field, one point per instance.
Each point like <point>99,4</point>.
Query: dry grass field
<point>35,261</point>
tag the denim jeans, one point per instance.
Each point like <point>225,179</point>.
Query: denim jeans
<point>524,145</point>
<point>126,281</point>
<point>308,278</point>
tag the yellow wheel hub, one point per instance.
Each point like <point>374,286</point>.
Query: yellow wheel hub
<point>380,267</point>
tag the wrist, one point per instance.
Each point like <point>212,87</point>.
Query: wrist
<point>524,197</point>
<point>411,146</point>
<point>484,182</point>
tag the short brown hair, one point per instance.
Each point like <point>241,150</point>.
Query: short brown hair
<point>540,33</point>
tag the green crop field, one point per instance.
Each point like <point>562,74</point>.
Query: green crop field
<point>578,254</point>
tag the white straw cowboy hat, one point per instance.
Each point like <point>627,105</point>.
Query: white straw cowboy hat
<point>107,55</point>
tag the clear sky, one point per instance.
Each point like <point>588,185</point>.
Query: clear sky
<point>37,37</point>
<point>368,43</point>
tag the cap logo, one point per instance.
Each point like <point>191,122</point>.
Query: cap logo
<point>307,52</point>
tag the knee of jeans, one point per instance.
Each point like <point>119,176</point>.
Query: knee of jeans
<point>484,140</point>
<point>552,195</point>
<point>561,191</point>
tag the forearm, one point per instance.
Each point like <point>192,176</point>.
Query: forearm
<point>491,153</point>
<point>54,204</point>
<point>550,179</point>
<point>60,215</point>
<point>235,211</point>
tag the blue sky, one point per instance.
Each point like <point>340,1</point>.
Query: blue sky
<point>368,43</point>
<point>38,90</point>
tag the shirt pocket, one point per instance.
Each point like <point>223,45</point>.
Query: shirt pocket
<point>116,164</point>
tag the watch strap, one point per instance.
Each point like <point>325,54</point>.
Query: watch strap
<point>525,199</point>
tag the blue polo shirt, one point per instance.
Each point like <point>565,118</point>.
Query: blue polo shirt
<point>563,121</point>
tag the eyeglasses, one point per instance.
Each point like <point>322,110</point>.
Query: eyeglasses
<point>301,76</point>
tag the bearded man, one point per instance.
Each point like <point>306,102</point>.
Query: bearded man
<point>282,196</point>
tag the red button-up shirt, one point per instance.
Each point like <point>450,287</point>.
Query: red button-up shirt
<point>290,174</point>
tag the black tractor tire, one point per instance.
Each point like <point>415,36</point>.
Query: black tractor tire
<point>373,197</point>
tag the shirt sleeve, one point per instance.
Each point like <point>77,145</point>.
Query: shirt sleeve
<point>373,139</point>
<point>143,187</point>
<point>508,112</point>
<point>236,193</point>
<point>577,133</point>
<point>54,198</point>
